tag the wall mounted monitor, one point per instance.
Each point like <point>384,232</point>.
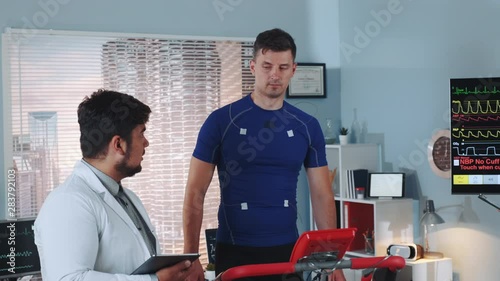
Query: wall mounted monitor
<point>475,135</point>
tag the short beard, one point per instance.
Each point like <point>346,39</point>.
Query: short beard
<point>274,95</point>
<point>125,170</point>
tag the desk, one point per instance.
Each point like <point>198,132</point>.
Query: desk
<point>428,270</point>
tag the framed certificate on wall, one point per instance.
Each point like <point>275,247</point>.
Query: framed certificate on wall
<point>309,81</point>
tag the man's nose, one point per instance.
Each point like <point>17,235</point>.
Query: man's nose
<point>274,72</point>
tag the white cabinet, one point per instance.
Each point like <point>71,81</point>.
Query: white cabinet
<point>419,270</point>
<point>428,270</point>
<point>348,157</point>
<point>388,221</point>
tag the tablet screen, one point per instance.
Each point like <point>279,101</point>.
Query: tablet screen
<point>386,184</point>
<point>155,263</point>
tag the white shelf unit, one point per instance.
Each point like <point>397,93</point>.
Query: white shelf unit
<point>350,157</point>
<point>391,221</point>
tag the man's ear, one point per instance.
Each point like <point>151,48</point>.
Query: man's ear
<point>252,66</point>
<point>118,145</point>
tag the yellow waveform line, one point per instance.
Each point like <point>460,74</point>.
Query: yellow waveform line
<point>458,108</point>
<point>478,134</point>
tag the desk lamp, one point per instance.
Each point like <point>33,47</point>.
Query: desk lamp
<point>429,220</point>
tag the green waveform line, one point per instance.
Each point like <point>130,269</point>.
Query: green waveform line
<point>25,232</point>
<point>17,267</point>
<point>476,91</point>
<point>491,107</point>
<point>18,254</point>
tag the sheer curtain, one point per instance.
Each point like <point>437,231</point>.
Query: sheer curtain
<point>182,79</point>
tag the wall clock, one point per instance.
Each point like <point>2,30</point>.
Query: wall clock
<point>439,153</point>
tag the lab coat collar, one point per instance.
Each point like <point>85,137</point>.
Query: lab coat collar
<point>83,171</point>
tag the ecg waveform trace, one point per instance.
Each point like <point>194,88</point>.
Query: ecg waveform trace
<point>478,134</point>
<point>24,232</point>
<point>476,107</point>
<point>471,151</point>
<point>17,268</point>
<point>19,254</point>
<point>476,91</point>
<point>462,118</point>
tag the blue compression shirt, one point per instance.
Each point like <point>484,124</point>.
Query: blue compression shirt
<point>259,154</point>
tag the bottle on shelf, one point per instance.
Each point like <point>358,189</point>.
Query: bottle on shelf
<point>329,132</point>
<point>364,132</point>
<point>355,128</point>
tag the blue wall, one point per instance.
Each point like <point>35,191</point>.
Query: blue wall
<point>398,79</point>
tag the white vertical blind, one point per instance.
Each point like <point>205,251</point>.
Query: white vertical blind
<point>182,80</point>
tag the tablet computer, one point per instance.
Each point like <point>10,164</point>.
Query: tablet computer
<point>155,263</point>
<point>386,185</point>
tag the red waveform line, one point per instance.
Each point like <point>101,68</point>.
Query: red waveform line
<point>479,118</point>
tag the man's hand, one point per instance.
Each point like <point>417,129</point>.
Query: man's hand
<point>177,272</point>
<point>337,275</point>
<point>196,272</point>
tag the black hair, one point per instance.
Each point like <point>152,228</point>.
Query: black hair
<point>106,114</point>
<point>276,40</point>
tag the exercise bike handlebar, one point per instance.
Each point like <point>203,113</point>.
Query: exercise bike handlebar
<point>393,263</point>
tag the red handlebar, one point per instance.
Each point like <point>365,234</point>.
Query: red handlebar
<point>393,263</point>
<point>257,270</point>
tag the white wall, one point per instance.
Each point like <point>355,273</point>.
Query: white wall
<point>398,79</point>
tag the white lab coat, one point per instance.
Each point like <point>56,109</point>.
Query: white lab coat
<point>83,233</point>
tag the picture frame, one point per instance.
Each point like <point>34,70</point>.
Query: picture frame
<point>309,81</point>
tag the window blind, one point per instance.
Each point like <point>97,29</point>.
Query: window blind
<point>182,79</point>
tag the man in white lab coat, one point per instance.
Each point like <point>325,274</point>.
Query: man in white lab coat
<point>90,227</point>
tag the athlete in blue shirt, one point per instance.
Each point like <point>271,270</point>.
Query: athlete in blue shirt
<point>259,144</point>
